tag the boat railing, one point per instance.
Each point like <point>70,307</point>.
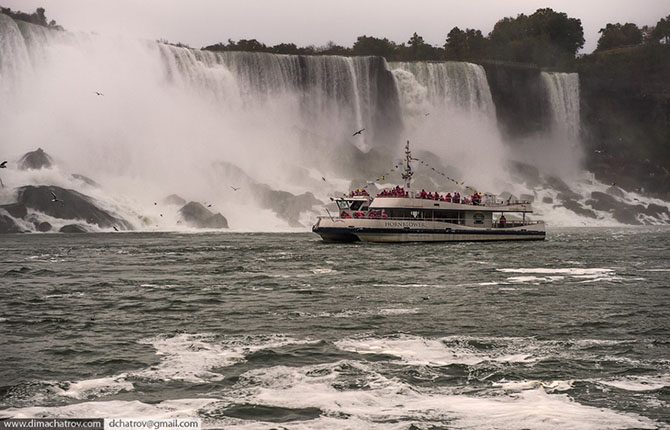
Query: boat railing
<point>458,221</point>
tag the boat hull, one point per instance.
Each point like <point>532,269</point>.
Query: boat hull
<point>392,232</point>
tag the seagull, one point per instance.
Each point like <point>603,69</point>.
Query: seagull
<point>209,205</point>
<point>426,114</point>
<point>55,199</point>
<point>155,203</point>
<point>99,93</point>
<point>161,214</point>
<point>358,132</point>
<point>323,179</point>
<point>3,165</point>
<point>234,189</point>
<point>115,229</point>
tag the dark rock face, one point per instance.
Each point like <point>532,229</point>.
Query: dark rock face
<point>625,111</point>
<point>196,215</point>
<point>35,160</point>
<point>520,99</point>
<point>74,205</point>
<point>547,200</point>
<point>615,191</point>
<point>174,199</point>
<point>73,228</point>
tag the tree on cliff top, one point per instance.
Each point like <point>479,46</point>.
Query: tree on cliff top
<point>465,45</point>
<point>546,38</point>
<point>368,45</point>
<point>38,17</point>
<point>618,35</point>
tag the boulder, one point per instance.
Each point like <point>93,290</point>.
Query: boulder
<point>174,199</point>
<point>563,188</point>
<point>43,226</point>
<point>527,198</point>
<point>73,228</point>
<point>73,205</point>
<point>7,225</point>
<point>198,216</point>
<point>35,160</point>
<point>547,200</point>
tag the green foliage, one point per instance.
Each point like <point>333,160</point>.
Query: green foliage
<point>618,35</point>
<point>38,17</point>
<point>466,45</point>
<point>545,38</point>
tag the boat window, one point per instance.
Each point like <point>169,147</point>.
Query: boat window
<point>342,204</point>
<point>356,205</point>
<point>478,217</point>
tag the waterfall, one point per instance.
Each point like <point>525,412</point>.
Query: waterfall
<point>563,96</point>
<point>448,109</point>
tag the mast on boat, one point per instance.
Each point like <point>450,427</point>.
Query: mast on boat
<point>407,174</point>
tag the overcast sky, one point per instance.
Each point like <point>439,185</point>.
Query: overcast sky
<point>203,22</point>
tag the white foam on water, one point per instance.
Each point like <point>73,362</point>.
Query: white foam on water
<point>639,383</point>
<point>190,357</point>
<point>548,386</point>
<point>113,408</point>
<point>384,402</point>
<point>416,350</point>
<point>534,279</point>
<point>323,271</point>
<point>92,388</point>
<point>398,311</point>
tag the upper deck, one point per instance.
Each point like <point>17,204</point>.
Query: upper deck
<point>380,202</point>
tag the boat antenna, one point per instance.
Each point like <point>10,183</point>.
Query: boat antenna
<point>407,174</point>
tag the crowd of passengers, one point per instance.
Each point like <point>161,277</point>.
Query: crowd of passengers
<point>359,192</point>
<point>474,199</point>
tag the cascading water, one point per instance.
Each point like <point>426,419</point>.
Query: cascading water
<point>563,94</point>
<point>448,109</point>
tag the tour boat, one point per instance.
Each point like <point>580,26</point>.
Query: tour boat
<point>404,215</point>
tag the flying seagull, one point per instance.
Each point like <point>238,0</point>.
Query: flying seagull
<point>54,198</point>
<point>115,229</point>
<point>234,189</point>
<point>155,203</point>
<point>3,165</point>
<point>209,205</point>
<point>99,93</point>
<point>323,179</point>
<point>358,132</point>
<point>426,114</point>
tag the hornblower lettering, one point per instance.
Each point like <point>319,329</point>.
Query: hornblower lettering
<point>402,224</point>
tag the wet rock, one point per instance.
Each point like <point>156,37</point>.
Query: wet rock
<point>85,179</point>
<point>526,173</point>
<point>656,210</point>
<point>285,205</point>
<point>547,200</point>
<point>74,205</point>
<point>17,210</point>
<point>73,228</point>
<point>563,188</point>
<point>174,199</point>
<point>621,211</point>
<point>7,225</point>
<point>43,226</point>
<point>577,208</point>
<point>198,216</point>
<point>35,160</point>
<point>615,191</point>
<point>527,198</point>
